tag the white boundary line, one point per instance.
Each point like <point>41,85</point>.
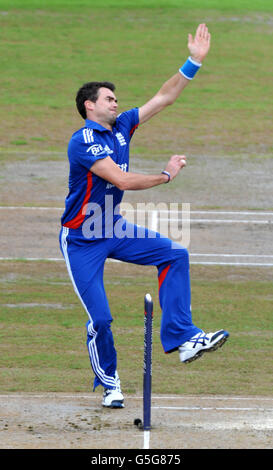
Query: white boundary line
<point>207,212</point>
<point>210,408</point>
<point>77,396</point>
<point>109,260</point>
<point>256,213</point>
<point>18,258</point>
<point>225,263</point>
<point>230,255</point>
<point>154,226</point>
<point>155,213</point>
<point>218,221</point>
<point>94,396</point>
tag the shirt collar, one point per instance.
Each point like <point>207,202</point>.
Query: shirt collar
<point>95,125</point>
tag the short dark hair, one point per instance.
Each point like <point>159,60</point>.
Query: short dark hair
<point>90,91</point>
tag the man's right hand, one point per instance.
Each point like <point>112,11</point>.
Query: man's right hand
<point>175,164</point>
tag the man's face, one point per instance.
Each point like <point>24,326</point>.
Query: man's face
<point>105,108</point>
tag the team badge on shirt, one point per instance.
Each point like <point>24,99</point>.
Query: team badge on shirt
<point>121,138</point>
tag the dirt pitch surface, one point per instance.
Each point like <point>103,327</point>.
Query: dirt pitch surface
<point>66,421</point>
<point>30,232</point>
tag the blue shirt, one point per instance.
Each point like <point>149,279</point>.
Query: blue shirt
<point>88,192</point>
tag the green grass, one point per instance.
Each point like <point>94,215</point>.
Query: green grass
<point>222,5</point>
<point>42,331</point>
<point>56,46</point>
<point>48,49</point>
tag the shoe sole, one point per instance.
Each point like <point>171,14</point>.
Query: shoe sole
<point>215,346</point>
<point>115,404</point>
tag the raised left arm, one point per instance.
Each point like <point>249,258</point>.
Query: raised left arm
<point>171,89</point>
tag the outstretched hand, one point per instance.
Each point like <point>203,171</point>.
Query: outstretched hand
<point>200,44</point>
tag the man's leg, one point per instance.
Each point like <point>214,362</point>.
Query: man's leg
<point>172,262</point>
<point>85,263</point>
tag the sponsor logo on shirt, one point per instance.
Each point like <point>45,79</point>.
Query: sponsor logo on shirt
<point>96,149</point>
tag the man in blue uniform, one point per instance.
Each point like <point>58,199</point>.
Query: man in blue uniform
<point>94,230</point>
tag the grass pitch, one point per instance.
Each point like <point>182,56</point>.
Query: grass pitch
<point>43,331</point>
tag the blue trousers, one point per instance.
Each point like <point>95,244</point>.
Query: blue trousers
<point>85,261</point>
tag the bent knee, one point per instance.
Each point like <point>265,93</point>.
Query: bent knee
<point>98,325</point>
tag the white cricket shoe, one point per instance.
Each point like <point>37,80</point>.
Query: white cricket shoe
<point>200,343</point>
<point>113,398</point>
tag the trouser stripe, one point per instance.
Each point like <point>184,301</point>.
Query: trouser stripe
<point>92,348</point>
